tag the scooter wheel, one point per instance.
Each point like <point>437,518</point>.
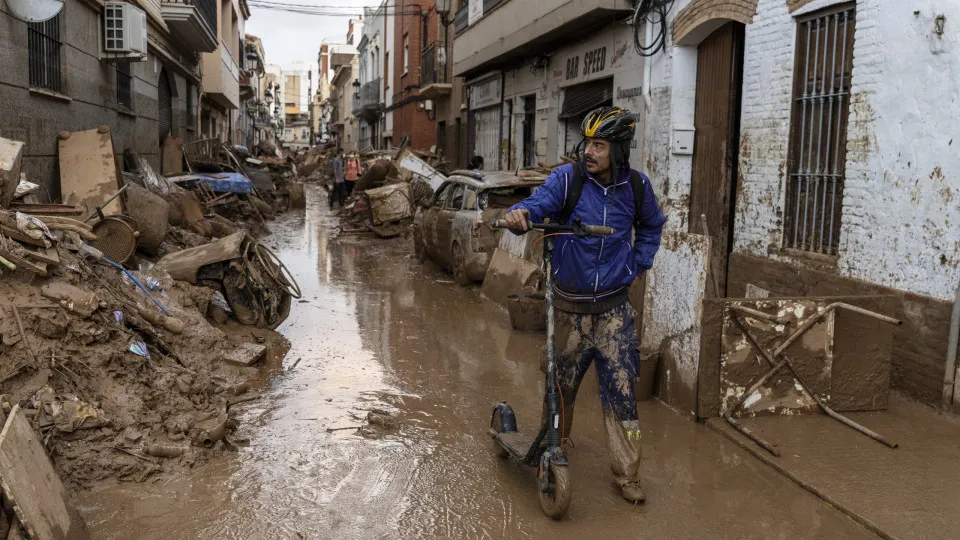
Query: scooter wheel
<point>555,503</point>
<point>498,449</point>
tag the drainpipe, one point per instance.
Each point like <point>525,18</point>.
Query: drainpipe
<point>503,87</point>
<point>950,376</point>
<point>647,65</point>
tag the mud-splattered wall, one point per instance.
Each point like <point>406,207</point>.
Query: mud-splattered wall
<point>900,223</point>
<point>673,308</point>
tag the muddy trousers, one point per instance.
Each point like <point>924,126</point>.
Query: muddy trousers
<point>609,341</point>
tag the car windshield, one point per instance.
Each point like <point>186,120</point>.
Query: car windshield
<point>504,197</point>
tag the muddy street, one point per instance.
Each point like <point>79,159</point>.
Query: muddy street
<point>377,330</point>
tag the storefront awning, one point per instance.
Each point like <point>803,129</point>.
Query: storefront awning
<point>582,98</point>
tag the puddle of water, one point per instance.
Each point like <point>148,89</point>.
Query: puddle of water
<point>378,330</point>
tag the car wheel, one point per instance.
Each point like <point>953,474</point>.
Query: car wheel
<point>459,264</point>
<point>419,250</point>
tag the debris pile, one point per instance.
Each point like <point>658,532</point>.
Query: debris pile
<point>121,308</point>
<point>385,196</point>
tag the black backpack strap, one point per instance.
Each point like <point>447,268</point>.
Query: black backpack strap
<point>639,192</point>
<point>572,196</point>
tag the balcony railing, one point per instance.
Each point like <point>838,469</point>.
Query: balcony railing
<point>370,93</point>
<point>431,70</point>
<point>207,9</point>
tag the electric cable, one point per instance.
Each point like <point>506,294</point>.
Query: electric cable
<point>651,12</point>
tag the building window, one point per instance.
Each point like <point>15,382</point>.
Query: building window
<point>406,54</point>
<point>818,130</point>
<point>386,70</point>
<point>124,86</point>
<point>44,54</point>
<point>191,106</point>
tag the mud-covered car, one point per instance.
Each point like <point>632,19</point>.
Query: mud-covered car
<point>453,228</point>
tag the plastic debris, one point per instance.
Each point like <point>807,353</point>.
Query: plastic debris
<point>139,348</point>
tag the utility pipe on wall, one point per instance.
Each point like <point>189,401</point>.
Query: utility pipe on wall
<point>950,390</point>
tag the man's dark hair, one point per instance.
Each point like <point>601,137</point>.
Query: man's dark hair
<point>475,162</point>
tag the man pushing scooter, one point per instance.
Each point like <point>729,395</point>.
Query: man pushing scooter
<point>592,275</point>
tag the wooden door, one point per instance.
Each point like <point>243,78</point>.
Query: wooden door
<point>716,143</point>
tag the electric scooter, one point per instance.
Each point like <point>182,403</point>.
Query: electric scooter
<point>543,449</point>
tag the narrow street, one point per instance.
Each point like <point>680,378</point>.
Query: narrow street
<point>375,329</point>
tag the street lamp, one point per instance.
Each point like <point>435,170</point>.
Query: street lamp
<point>268,98</point>
<point>443,9</point>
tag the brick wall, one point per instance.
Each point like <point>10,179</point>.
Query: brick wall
<point>899,214</point>
<point>409,120</point>
<point>91,87</point>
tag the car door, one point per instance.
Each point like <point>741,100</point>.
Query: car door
<point>430,220</point>
<point>452,205</point>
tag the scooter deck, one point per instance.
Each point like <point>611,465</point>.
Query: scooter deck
<point>516,443</point>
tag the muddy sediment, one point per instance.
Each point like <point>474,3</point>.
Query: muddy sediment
<point>103,374</point>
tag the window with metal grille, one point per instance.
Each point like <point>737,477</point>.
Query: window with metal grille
<point>124,85</point>
<point>818,130</point>
<point>43,40</point>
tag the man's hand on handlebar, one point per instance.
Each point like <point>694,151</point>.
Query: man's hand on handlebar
<point>518,220</point>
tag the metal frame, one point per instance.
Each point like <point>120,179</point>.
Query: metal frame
<point>785,361</point>
<point>817,167</point>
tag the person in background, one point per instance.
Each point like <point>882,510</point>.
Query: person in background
<point>476,164</point>
<point>351,172</point>
<point>338,188</point>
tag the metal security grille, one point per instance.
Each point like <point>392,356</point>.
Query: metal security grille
<point>124,85</point>
<point>44,54</point>
<point>164,105</point>
<point>487,136</point>
<point>818,138</point>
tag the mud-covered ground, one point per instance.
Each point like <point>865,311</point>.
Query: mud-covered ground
<point>377,330</point>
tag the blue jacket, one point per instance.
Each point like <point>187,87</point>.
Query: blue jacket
<point>590,268</point>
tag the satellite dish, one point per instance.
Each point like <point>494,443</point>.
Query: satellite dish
<point>35,10</point>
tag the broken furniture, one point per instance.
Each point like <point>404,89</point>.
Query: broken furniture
<point>794,356</point>
<point>256,285</point>
<point>11,155</point>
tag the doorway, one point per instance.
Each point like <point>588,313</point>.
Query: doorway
<point>529,131</point>
<point>717,141</point>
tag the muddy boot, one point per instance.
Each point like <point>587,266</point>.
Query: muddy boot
<point>632,493</point>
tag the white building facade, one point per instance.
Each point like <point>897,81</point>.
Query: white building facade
<point>815,136</point>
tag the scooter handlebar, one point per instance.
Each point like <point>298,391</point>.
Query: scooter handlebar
<point>599,230</point>
<point>575,228</point>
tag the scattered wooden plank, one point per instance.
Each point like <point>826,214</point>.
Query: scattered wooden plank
<point>36,267</point>
<point>44,255</point>
<point>47,209</point>
<point>246,354</point>
<point>14,233</point>
<point>88,171</point>
<point>28,478</point>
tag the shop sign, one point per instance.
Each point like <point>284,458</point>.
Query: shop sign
<point>486,93</point>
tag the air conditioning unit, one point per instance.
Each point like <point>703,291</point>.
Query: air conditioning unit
<point>124,29</point>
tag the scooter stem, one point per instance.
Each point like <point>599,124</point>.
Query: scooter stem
<point>552,396</point>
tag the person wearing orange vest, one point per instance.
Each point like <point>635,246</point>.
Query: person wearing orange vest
<point>351,172</point>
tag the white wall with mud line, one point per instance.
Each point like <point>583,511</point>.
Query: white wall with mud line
<point>900,223</point>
